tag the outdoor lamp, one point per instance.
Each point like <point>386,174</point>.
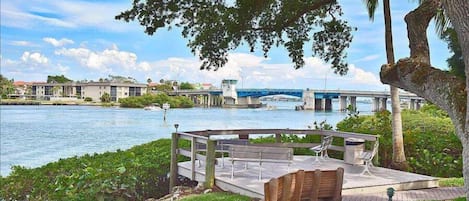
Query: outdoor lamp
<point>176,126</point>
<point>390,193</point>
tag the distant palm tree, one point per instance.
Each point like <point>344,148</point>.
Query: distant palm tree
<point>149,80</point>
<point>398,154</point>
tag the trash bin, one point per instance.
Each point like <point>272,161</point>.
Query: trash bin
<point>354,147</point>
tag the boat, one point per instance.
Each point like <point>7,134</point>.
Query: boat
<point>153,107</point>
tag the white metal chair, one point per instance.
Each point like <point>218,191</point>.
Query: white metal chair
<point>322,148</point>
<point>368,156</point>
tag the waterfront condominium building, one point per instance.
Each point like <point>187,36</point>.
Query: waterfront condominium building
<point>93,90</point>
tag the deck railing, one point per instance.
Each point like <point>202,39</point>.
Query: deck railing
<point>208,138</point>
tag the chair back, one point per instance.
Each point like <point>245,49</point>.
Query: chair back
<point>285,188</point>
<point>306,185</point>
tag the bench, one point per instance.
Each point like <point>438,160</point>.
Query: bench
<point>260,155</point>
<point>223,147</point>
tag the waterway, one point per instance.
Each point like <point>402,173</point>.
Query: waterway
<point>32,136</point>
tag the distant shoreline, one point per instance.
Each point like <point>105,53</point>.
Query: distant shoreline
<point>34,102</point>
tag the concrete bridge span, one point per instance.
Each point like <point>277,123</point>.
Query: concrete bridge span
<point>230,96</point>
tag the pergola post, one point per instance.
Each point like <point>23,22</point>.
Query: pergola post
<point>174,161</point>
<point>210,164</point>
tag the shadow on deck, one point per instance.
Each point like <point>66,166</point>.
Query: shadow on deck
<point>246,181</point>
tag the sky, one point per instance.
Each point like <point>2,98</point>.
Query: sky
<point>81,40</point>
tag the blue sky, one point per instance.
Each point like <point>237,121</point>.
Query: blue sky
<point>81,40</point>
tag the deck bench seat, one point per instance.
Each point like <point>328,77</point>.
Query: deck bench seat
<point>259,154</point>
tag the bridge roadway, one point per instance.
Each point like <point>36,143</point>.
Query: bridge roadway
<point>313,99</point>
<point>256,93</point>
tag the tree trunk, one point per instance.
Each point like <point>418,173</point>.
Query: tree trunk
<point>458,12</point>
<point>416,75</point>
<point>398,154</point>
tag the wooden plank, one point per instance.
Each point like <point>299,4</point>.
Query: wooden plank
<point>338,184</point>
<point>199,139</point>
<point>300,145</point>
<point>193,157</point>
<point>174,162</point>
<point>210,164</point>
<point>207,133</point>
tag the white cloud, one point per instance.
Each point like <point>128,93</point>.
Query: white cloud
<point>368,58</point>
<point>105,61</point>
<point>22,19</point>
<point>34,58</point>
<point>359,76</point>
<point>58,43</point>
<point>22,43</point>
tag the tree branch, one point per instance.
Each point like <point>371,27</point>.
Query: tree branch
<point>417,24</point>
<point>439,87</point>
<point>297,15</point>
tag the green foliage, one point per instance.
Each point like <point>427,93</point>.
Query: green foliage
<point>57,79</point>
<point>219,196</point>
<point>6,87</point>
<point>120,79</point>
<point>148,99</point>
<point>106,98</point>
<point>134,174</point>
<point>216,27</point>
<point>451,182</point>
<point>164,87</point>
<point>186,86</point>
<point>88,99</point>
<point>430,143</point>
<point>455,62</point>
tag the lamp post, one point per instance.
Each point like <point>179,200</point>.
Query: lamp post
<point>165,108</point>
<point>176,126</point>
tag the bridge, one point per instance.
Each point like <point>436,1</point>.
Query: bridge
<point>229,96</point>
<point>312,99</point>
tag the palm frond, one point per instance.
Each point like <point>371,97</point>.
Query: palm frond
<point>371,6</point>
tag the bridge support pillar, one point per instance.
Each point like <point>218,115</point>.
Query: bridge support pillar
<point>383,104</point>
<point>209,102</point>
<point>318,104</point>
<point>343,103</point>
<point>327,104</point>
<point>353,102</point>
<point>375,104</point>
<point>412,104</point>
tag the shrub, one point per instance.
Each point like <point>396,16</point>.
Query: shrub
<point>430,143</point>
<point>105,98</point>
<point>88,99</point>
<point>135,174</point>
<point>148,99</point>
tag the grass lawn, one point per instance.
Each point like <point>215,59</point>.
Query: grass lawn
<point>218,196</point>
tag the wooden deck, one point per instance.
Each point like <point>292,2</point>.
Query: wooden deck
<point>246,180</point>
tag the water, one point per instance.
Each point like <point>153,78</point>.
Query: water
<point>32,136</point>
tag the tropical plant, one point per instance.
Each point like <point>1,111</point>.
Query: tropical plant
<point>398,154</point>
<point>6,87</point>
<point>106,98</point>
